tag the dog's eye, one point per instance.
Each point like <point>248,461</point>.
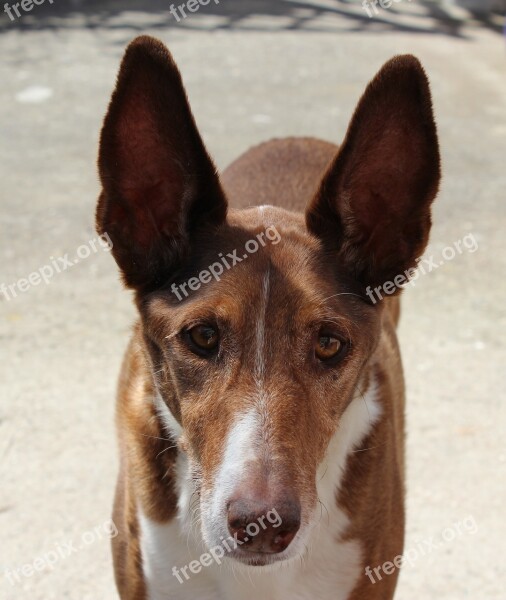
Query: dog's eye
<point>204,339</point>
<point>328,347</point>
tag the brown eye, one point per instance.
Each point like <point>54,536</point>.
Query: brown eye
<point>204,339</point>
<point>328,347</point>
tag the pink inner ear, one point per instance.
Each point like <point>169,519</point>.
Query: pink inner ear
<point>151,183</point>
<point>151,214</point>
<point>382,218</point>
<point>383,181</point>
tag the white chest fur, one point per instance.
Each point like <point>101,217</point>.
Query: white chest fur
<point>329,570</point>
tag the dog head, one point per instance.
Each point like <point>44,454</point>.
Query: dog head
<point>256,322</point>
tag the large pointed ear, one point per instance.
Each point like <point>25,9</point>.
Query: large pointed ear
<point>158,182</point>
<point>373,205</point>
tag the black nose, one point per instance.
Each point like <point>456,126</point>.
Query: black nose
<point>263,529</point>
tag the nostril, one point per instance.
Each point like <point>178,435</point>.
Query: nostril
<point>237,527</point>
<point>236,523</point>
<point>288,529</point>
<point>250,523</point>
<point>290,517</point>
<point>282,540</point>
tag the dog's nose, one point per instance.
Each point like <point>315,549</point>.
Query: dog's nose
<point>263,529</point>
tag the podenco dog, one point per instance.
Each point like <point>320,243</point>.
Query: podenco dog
<point>260,405</point>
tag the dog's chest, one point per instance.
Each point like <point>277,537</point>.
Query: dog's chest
<point>329,571</point>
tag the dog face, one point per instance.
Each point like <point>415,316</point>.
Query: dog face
<point>257,368</point>
<point>256,322</point>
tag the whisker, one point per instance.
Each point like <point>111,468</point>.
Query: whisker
<point>366,405</point>
<point>168,448</point>
<point>326,510</point>
<point>325,472</point>
<point>157,438</point>
<point>338,322</point>
<point>345,294</point>
<point>371,448</point>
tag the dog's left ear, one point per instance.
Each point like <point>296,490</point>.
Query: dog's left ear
<point>158,182</point>
<point>373,205</point>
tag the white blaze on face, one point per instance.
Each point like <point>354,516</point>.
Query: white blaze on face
<point>260,332</point>
<point>241,449</point>
<point>245,444</point>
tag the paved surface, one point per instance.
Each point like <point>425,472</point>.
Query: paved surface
<point>253,70</point>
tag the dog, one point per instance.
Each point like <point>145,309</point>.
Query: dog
<point>260,409</point>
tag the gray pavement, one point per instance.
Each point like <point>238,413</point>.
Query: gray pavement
<point>253,70</point>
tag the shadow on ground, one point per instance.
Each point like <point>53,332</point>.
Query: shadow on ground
<point>424,16</point>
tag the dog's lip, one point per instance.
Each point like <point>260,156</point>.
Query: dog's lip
<point>256,559</point>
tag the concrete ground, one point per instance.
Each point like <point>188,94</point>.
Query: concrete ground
<point>253,70</point>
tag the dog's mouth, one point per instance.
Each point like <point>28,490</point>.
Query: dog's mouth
<point>262,553</point>
<point>255,558</point>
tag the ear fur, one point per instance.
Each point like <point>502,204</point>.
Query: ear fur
<point>373,205</point>
<point>158,181</point>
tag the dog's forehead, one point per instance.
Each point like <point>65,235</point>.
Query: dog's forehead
<point>262,262</point>
<point>288,255</point>
<point>265,216</point>
<point>265,257</point>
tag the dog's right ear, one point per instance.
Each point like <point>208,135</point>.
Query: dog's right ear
<point>158,182</point>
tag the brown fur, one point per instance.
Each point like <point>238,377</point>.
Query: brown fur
<point>368,219</point>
